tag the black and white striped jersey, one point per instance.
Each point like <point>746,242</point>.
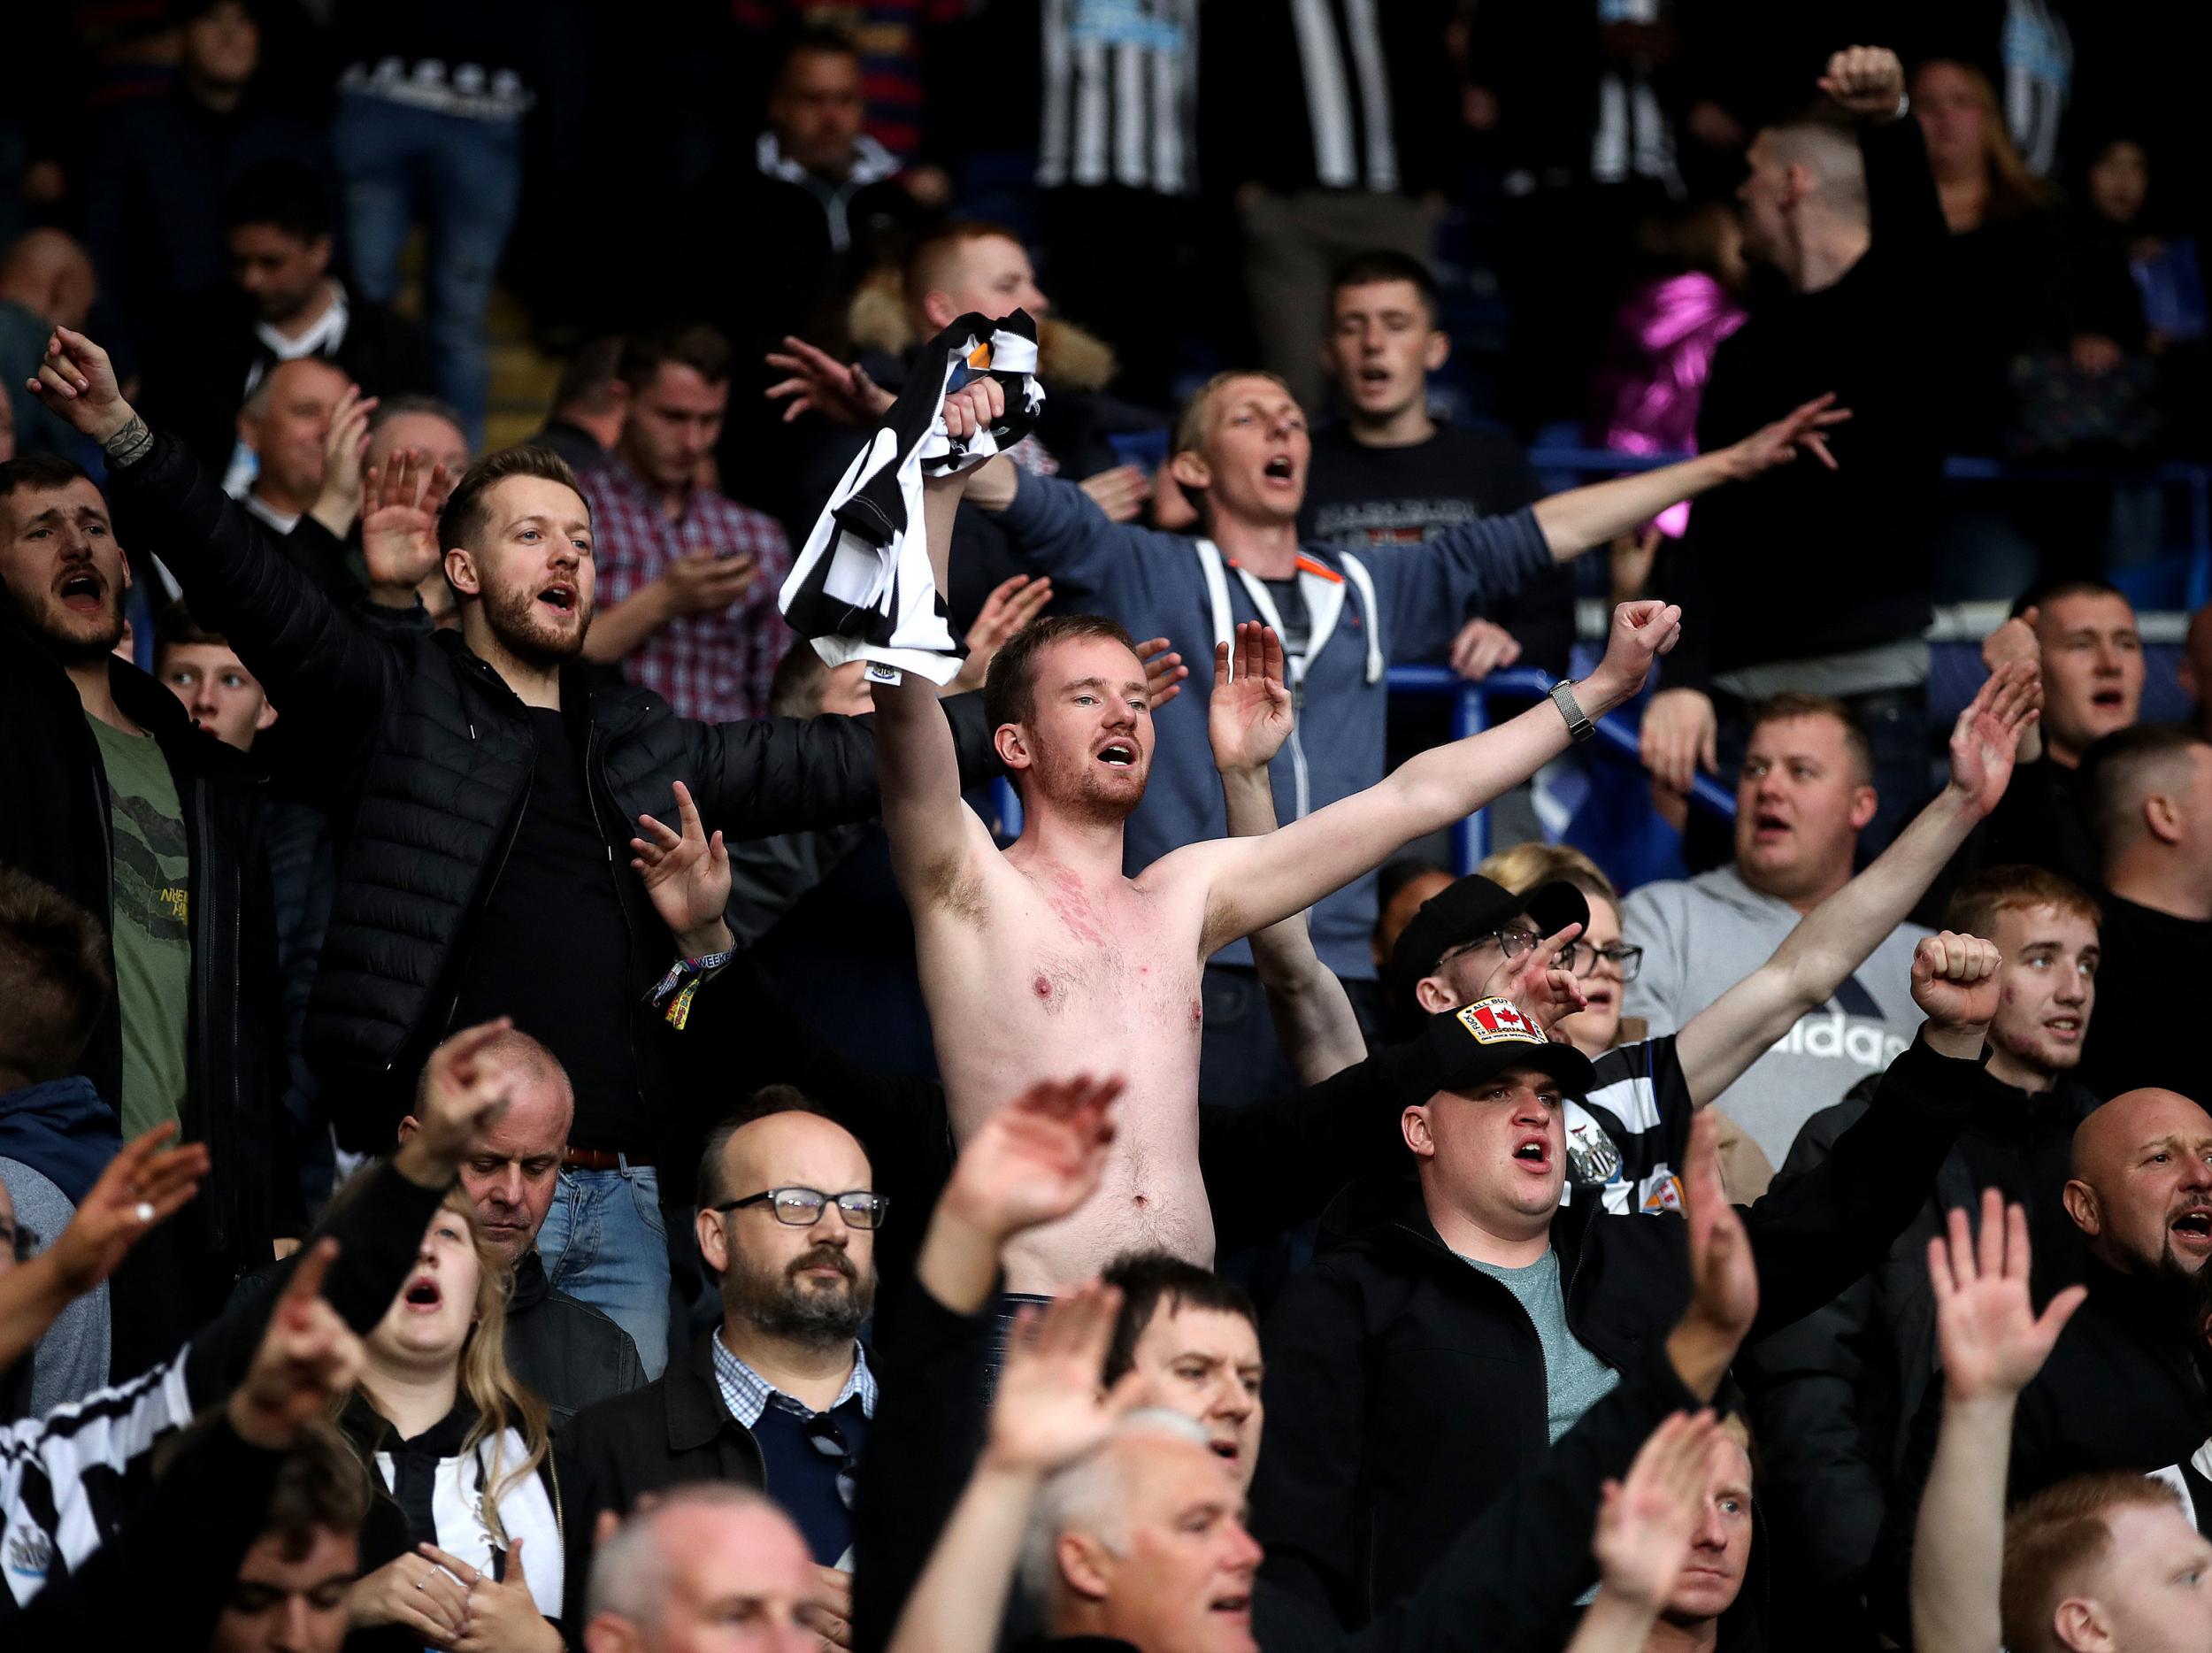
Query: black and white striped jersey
<point>1120,94</point>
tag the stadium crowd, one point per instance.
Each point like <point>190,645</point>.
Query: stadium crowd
<point>812,993</point>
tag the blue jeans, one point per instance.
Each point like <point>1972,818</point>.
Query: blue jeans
<point>462,178</point>
<point>603,1242</point>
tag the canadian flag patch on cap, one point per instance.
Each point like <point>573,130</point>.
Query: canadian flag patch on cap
<point>1498,1021</point>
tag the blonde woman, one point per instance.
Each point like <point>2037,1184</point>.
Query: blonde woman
<point>470,1522</point>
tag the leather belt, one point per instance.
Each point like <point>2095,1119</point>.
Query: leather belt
<point>603,1160</point>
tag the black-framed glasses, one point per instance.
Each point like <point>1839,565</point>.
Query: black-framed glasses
<point>1582,958</point>
<point>803,1208</point>
<point>19,1238</point>
<point>824,1435</point>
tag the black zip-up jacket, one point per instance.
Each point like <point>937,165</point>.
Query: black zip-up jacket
<point>1831,1397</point>
<point>55,824</point>
<point>426,755</point>
<point>2124,1388</point>
<point>1405,1389</point>
<point>673,1432</point>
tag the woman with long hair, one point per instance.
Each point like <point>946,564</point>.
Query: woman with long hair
<point>468,1542</point>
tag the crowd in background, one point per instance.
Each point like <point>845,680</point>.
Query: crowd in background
<point>573,1072</point>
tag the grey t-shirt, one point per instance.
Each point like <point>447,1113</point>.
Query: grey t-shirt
<point>72,1359</point>
<point>1575,1379</point>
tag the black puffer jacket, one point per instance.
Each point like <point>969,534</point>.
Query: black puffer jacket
<point>54,824</point>
<point>424,755</point>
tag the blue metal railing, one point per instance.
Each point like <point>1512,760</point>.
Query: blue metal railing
<point>1472,714</point>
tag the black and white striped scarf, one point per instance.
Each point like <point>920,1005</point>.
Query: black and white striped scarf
<point>863,588</point>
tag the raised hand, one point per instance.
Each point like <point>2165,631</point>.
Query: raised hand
<point>1868,80</point>
<point>820,383</point>
<point>1724,1277</point>
<point>1679,736</point>
<point>401,500</point>
<point>974,408</point>
<point>2016,640</point>
<point>1048,1412</point>
<point>1036,1160</point>
<point>343,445</point>
<point>1805,427</point>
<point>1992,1340</point>
<point>1987,733</point>
<point>76,382</point>
<point>1542,989</point>
<point>463,1096</point>
<point>308,1359</point>
<point>1641,632</point>
<point>1955,983</point>
<point>687,876</point>
<point>1483,647</point>
<point>1249,716</point>
<point>1120,493</point>
<point>1011,605</point>
<point>144,1185</point>
<point>1645,1523</point>
<point>1164,671</point>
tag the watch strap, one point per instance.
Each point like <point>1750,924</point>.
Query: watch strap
<point>1578,725</point>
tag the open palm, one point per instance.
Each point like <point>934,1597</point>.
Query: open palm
<point>1992,1340</point>
<point>1038,1157</point>
<point>399,521</point>
<point>1988,733</point>
<point>1249,716</point>
<point>1049,1410</point>
<point>686,873</point>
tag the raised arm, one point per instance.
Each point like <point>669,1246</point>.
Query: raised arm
<point>315,661</point>
<point>143,1185</point>
<point>1836,937</point>
<point>1582,519</point>
<point>1049,1412</point>
<point>936,841</point>
<point>1252,882</point>
<point>1992,1343</point>
<point>1248,719</point>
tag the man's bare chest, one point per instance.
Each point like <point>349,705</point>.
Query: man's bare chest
<point>1120,957</point>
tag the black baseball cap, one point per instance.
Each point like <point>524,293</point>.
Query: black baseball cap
<point>1463,910</point>
<point>1459,1050</point>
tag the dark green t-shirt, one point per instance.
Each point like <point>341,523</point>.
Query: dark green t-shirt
<point>152,895</point>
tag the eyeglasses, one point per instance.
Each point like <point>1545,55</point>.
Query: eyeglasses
<point>803,1208</point>
<point>20,1238</point>
<point>824,1435</point>
<point>1512,943</point>
<point>1582,958</point>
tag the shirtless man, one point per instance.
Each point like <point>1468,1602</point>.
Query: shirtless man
<point>1045,960</point>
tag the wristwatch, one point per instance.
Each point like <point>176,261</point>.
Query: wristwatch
<point>1579,724</point>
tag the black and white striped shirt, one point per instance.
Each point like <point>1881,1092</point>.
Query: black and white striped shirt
<point>1347,93</point>
<point>1626,1138</point>
<point>67,1479</point>
<point>1120,93</point>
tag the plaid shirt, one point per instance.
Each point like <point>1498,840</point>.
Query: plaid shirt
<point>714,666</point>
<point>747,1394</point>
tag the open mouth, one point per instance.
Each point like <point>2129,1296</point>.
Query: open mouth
<point>560,595</point>
<point>422,1293</point>
<point>1768,823</point>
<point>1225,1451</point>
<point>1238,1604</point>
<point>83,592</point>
<point>2194,1226</point>
<point>2063,1028</point>
<point>1374,375</point>
<point>1279,469</point>
<point>2108,700</point>
<point>1120,755</point>
<point>1534,1151</point>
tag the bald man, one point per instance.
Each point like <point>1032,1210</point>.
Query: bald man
<point>2121,1389</point>
<point>780,1393</point>
<point>572,1354</point>
<point>285,421</point>
<point>706,1567</point>
<point>45,278</point>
